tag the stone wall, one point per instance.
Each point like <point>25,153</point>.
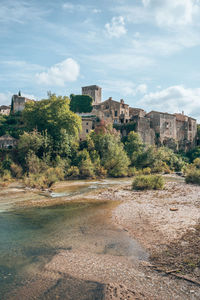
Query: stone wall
<point>93,91</point>
<point>19,103</point>
<point>117,112</point>
<point>88,124</point>
<point>164,125</point>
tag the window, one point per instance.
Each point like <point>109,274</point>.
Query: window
<point>115,121</point>
<point>116,113</point>
<point>87,130</point>
<point>87,123</point>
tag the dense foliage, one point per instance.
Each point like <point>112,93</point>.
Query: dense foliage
<point>49,148</point>
<point>80,103</point>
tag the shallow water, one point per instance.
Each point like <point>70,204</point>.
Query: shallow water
<point>29,237</point>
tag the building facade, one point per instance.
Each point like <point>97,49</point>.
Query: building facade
<point>18,103</point>
<point>4,110</point>
<point>117,112</point>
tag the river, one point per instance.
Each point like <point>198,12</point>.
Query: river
<point>31,236</point>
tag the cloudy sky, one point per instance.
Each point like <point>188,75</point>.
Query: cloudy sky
<point>144,51</point>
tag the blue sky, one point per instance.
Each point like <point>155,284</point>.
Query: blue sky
<point>144,51</point>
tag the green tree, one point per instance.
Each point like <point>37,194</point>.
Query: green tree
<point>52,114</point>
<point>111,152</point>
<point>33,141</point>
<point>134,147</point>
<point>81,103</point>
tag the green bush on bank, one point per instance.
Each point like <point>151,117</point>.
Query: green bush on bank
<point>193,176</point>
<point>148,182</point>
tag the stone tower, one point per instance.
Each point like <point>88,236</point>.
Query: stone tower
<point>93,91</point>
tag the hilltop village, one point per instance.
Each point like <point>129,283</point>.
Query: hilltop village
<point>176,131</point>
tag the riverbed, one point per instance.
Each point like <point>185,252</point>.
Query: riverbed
<point>31,236</point>
<point>92,240</point>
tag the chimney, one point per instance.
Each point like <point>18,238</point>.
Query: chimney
<point>182,112</point>
<point>122,101</point>
<point>110,98</point>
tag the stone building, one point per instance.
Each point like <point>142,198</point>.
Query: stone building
<point>143,127</point>
<point>186,130</point>
<point>174,130</point>
<point>164,125</point>
<point>117,112</point>
<point>7,141</point>
<point>18,102</point>
<point>93,91</point>
<point>88,124</point>
<point>4,110</point>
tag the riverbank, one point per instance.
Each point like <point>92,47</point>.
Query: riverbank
<point>164,222</point>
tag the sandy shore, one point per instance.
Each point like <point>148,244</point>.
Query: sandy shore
<point>156,219</point>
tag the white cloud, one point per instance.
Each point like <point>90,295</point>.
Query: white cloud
<point>173,12</point>
<point>116,28</point>
<point>174,99</point>
<point>164,13</point>
<point>59,74</point>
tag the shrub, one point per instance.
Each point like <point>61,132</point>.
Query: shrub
<point>196,163</point>
<point>73,172</point>
<point>148,182</point>
<point>193,176</point>
<point>146,171</point>
<point>35,181</point>
<point>6,176</point>
<point>86,169</point>
<point>16,170</point>
<point>100,171</point>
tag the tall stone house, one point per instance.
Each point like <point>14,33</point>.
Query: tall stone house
<point>18,103</point>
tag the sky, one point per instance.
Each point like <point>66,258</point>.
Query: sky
<point>146,52</point>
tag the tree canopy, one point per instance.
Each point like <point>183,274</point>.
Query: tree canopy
<point>81,103</point>
<point>52,115</point>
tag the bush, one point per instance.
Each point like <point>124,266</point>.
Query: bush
<point>148,182</point>
<point>193,176</point>
<point>73,172</point>
<point>45,179</point>
<point>16,170</point>
<point>146,171</point>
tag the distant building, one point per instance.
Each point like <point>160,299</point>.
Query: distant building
<point>93,91</point>
<point>4,110</point>
<point>7,141</point>
<point>117,112</point>
<point>18,102</point>
<point>88,124</point>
